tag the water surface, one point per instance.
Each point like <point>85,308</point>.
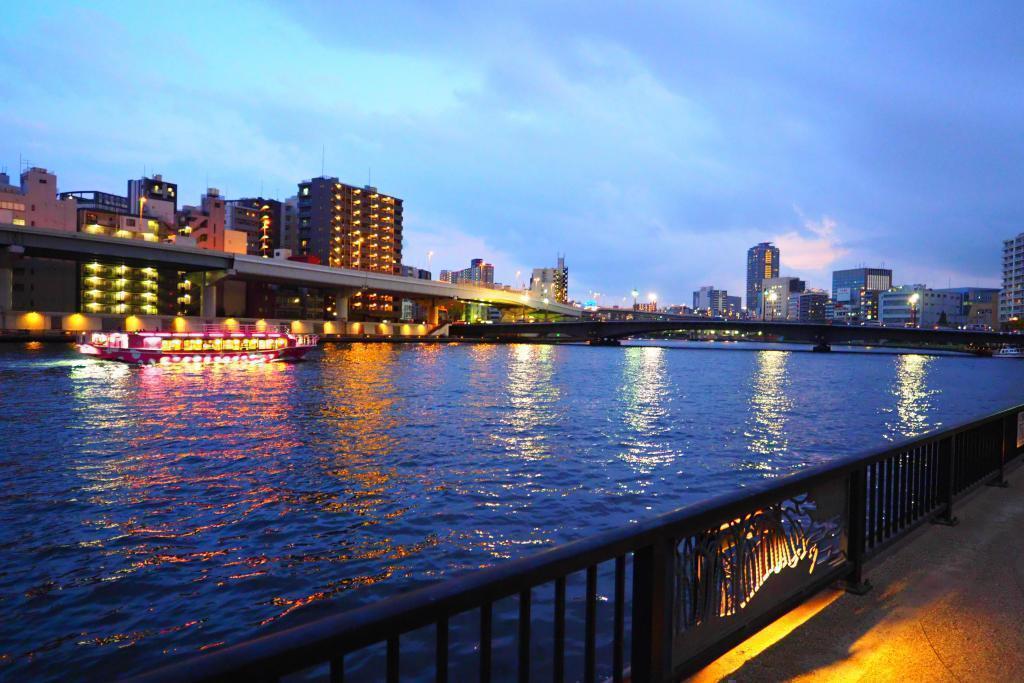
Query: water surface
<point>149,512</point>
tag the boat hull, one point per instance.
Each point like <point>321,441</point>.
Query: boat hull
<point>155,357</point>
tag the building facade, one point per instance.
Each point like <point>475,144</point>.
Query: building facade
<point>775,292</point>
<point>551,282</point>
<point>262,222</point>
<point>762,264</point>
<point>351,227</point>
<point>717,302</point>
<point>479,273</point>
<point>154,197</point>
<point>39,284</point>
<point>918,306</point>
<point>855,292</point>
<point>810,306</point>
<point>1011,300</point>
<point>979,306</point>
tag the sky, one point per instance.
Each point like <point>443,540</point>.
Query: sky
<point>651,143</point>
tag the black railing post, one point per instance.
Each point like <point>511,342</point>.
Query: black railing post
<point>653,598</point>
<point>856,529</point>
<point>1004,449</point>
<point>947,456</point>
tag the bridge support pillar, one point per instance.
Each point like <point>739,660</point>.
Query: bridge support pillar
<point>6,287</point>
<point>208,301</point>
<point>433,313</point>
<point>341,305</point>
<point>821,347</point>
<point>7,257</point>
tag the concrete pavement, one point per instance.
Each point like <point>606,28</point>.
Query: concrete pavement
<point>947,605</point>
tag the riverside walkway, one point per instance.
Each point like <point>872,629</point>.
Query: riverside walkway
<point>947,605</point>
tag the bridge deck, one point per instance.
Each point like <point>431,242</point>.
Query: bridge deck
<point>946,606</point>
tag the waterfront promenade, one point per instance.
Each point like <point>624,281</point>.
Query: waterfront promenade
<point>948,605</point>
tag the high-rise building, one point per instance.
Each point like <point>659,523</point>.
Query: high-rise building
<point>1011,300</point>
<point>261,220</point>
<point>762,264</point>
<point>551,282</point>
<point>775,292</point>
<point>351,227</point>
<point>855,292</point>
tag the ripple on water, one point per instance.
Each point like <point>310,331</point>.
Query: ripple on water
<point>156,511</point>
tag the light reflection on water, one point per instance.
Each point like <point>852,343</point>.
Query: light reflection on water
<point>913,397</point>
<point>154,511</point>
<point>770,405</point>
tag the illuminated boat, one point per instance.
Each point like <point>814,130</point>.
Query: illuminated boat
<point>216,344</point>
<point>1008,351</point>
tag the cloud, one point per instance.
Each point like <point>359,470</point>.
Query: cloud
<point>814,248</point>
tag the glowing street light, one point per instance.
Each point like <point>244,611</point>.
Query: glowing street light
<point>912,300</point>
<point>635,295</point>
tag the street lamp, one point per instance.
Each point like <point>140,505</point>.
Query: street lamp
<point>430,255</point>
<point>635,295</point>
<point>912,300</point>
<point>653,298</point>
<point>772,296</point>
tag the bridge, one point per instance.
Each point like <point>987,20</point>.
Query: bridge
<point>822,335</point>
<point>18,240</point>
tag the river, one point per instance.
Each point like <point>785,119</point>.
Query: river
<point>150,512</point>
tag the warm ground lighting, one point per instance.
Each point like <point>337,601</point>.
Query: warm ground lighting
<point>749,649</point>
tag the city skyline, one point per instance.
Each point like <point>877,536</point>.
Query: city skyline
<point>555,153</point>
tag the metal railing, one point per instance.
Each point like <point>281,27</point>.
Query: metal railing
<point>667,595</point>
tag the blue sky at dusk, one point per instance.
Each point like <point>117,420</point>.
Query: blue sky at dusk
<point>651,143</point>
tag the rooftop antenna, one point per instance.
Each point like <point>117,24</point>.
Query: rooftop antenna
<point>323,156</point>
<point>369,176</point>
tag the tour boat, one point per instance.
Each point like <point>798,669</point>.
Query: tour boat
<point>216,344</point>
<point>1008,351</point>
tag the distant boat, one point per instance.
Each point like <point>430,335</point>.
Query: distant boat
<point>217,344</point>
<point>1007,351</point>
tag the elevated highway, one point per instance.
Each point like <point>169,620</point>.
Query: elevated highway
<point>820,334</point>
<point>78,246</point>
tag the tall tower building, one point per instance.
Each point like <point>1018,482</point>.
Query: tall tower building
<point>1011,299</point>
<point>762,264</point>
<point>344,226</point>
<point>350,227</point>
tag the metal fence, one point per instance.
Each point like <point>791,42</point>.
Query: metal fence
<point>667,595</point>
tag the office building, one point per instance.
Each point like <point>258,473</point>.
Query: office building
<point>775,292</point>
<point>1011,299</point>
<point>855,292</point>
<point>551,282</point>
<point>260,219</point>
<point>979,306</point>
<point>810,306</point>
<point>918,306</point>
<point>762,264</point>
